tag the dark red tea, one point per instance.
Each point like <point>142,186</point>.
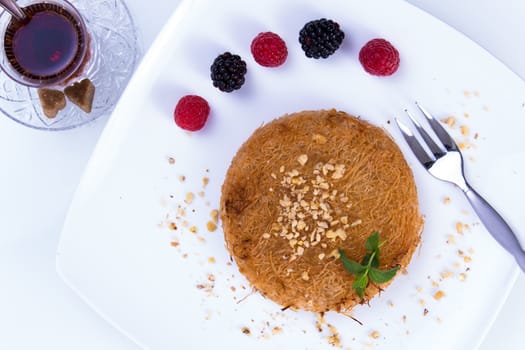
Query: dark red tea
<point>47,44</point>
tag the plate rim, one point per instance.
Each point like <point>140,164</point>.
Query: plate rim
<point>115,120</point>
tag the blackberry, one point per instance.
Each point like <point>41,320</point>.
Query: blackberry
<point>320,38</point>
<point>227,72</point>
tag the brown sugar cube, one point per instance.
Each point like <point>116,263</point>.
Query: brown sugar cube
<point>81,93</point>
<point>52,101</point>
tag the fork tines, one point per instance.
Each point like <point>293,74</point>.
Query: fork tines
<point>437,151</point>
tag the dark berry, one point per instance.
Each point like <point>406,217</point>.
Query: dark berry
<point>227,72</point>
<point>269,50</point>
<point>191,112</point>
<point>379,57</point>
<point>320,38</point>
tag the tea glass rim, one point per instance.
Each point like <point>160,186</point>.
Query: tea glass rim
<point>12,73</point>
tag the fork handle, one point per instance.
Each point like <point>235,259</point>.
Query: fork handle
<point>496,226</point>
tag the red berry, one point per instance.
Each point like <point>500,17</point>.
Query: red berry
<point>191,112</point>
<point>379,57</point>
<point>269,50</point>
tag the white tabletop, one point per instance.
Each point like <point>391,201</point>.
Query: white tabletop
<point>40,171</point>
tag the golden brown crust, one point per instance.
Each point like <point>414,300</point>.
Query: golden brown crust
<point>311,167</point>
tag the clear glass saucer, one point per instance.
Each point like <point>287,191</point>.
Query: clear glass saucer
<point>115,53</point>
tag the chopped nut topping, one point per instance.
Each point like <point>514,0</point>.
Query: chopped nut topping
<point>189,197</point>
<point>446,274</point>
<point>305,276</point>
<point>464,130</point>
<point>211,226</point>
<point>319,139</point>
<point>459,227</point>
<point>182,178</point>
<point>335,234</point>
<point>339,171</point>
<point>334,338</point>
<point>450,121</point>
<point>292,223</point>
<point>302,159</point>
<point>193,229</point>
<point>214,215</point>
<point>439,294</point>
<point>334,254</point>
<point>205,181</point>
<point>285,202</point>
<point>173,226</point>
<point>171,160</point>
<point>374,335</point>
<point>465,145</point>
<point>357,222</point>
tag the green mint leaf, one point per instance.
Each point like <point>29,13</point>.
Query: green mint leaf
<point>368,270</point>
<point>360,291</point>
<point>382,276</point>
<point>372,243</point>
<point>359,285</point>
<point>351,265</point>
<point>375,259</point>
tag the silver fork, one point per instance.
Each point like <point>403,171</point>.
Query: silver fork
<point>446,163</point>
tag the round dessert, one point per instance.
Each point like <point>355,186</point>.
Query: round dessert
<point>306,185</point>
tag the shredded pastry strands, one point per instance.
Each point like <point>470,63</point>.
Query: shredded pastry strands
<point>302,187</point>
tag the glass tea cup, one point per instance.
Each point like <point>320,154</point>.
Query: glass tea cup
<point>49,48</point>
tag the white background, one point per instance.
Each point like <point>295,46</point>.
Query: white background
<point>39,172</point>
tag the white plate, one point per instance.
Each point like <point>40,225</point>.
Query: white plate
<point>115,248</point>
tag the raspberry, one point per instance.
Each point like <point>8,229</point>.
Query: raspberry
<point>269,50</point>
<point>320,38</point>
<point>227,72</point>
<point>191,112</point>
<point>379,57</point>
